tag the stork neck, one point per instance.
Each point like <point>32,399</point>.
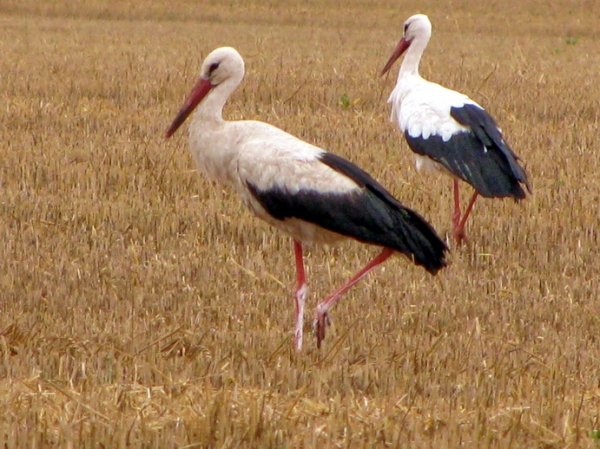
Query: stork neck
<point>211,108</point>
<point>412,58</point>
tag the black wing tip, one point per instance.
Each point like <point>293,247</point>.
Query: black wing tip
<point>520,176</point>
<point>427,248</point>
<point>518,192</point>
<point>432,262</point>
<point>434,270</point>
<point>485,130</point>
<point>436,263</point>
<point>432,266</point>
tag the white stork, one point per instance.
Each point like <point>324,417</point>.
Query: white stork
<point>313,195</point>
<point>450,132</point>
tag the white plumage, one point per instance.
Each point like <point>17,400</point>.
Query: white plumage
<point>449,131</point>
<point>278,160</point>
<point>297,187</point>
<point>425,111</point>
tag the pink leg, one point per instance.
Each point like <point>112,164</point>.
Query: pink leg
<point>456,215</point>
<point>469,208</point>
<point>459,231</point>
<point>300,294</point>
<point>322,315</point>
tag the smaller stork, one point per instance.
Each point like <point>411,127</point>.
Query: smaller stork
<point>448,131</point>
<point>313,195</point>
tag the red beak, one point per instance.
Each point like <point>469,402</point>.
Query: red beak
<point>400,48</point>
<point>200,90</point>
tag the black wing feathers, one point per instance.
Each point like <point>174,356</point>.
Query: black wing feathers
<point>479,156</point>
<point>486,129</point>
<point>369,214</point>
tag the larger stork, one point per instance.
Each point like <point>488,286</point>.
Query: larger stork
<point>450,132</point>
<point>313,195</point>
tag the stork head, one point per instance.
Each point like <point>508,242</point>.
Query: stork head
<point>417,27</point>
<point>223,66</point>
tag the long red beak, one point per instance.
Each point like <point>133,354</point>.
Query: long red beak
<point>200,90</point>
<point>400,48</point>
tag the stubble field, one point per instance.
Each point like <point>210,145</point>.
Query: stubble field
<point>143,306</point>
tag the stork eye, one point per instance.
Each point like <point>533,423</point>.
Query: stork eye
<point>214,66</point>
<point>405,27</point>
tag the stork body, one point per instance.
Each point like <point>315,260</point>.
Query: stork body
<point>310,194</point>
<point>448,131</point>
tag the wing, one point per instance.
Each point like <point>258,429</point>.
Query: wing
<point>486,131</point>
<point>449,128</point>
<point>311,185</point>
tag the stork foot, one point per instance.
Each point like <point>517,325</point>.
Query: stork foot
<point>322,320</point>
<point>460,236</point>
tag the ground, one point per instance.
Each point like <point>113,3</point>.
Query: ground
<point>143,306</point>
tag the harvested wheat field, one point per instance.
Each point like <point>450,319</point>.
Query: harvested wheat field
<point>144,306</point>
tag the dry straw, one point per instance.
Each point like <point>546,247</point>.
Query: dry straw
<point>143,306</point>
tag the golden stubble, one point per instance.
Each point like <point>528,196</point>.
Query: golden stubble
<point>142,305</point>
